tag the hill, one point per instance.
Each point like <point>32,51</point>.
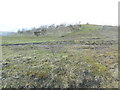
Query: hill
<point>5,33</point>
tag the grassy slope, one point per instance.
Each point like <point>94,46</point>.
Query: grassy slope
<point>93,32</point>
<point>15,39</point>
<point>85,32</point>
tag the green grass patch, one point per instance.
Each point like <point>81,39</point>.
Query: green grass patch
<point>26,39</point>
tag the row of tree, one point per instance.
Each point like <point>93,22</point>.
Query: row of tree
<point>42,30</point>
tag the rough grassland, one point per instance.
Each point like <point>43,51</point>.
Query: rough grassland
<point>93,64</point>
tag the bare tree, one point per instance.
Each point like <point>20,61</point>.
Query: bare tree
<point>37,33</point>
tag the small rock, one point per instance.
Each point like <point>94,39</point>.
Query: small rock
<point>29,58</point>
<point>5,64</point>
<point>35,57</point>
<point>65,57</point>
<point>16,77</point>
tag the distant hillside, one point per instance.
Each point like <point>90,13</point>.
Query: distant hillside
<point>4,33</point>
<point>57,30</point>
<point>77,30</point>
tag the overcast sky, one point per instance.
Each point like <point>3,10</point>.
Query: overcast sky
<point>17,14</point>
